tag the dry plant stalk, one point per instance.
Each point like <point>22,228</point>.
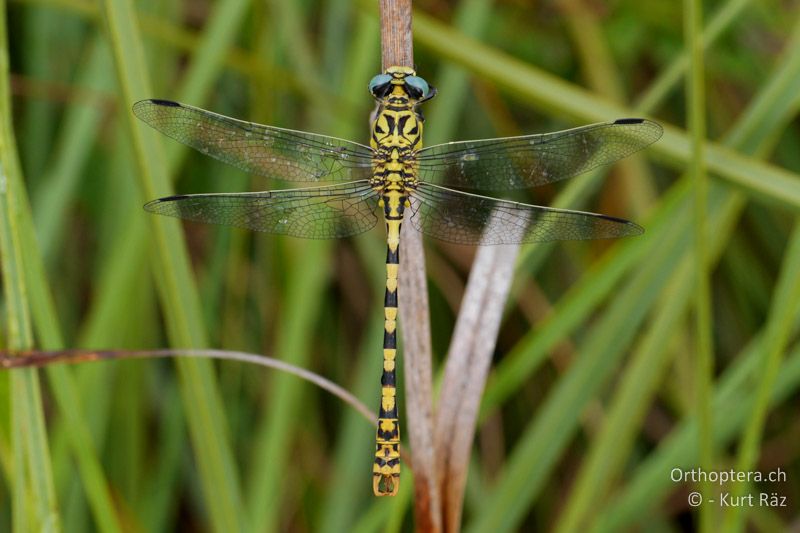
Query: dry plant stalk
<point>441,451</point>
<point>397,50</point>
<point>418,365</point>
<point>466,371</point>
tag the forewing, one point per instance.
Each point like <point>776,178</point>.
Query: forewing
<point>314,213</point>
<point>464,218</point>
<point>273,152</point>
<point>533,160</point>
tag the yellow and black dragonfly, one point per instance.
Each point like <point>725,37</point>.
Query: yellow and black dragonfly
<point>392,175</point>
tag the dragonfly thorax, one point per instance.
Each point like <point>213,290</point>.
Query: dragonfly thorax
<point>401,130</point>
<point>396,133</point>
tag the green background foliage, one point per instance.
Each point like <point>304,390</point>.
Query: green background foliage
<point>593,396</point>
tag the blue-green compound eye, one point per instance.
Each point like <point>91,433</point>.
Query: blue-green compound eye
<point>377,81</point>
<point>419,84</point>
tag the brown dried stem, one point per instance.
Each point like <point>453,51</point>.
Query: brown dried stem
<point>466,370</point>
<point>396,38</point>
<point>397,50</point>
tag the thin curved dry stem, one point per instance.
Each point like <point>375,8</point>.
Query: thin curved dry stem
<point>468,361</point>
<point>37,359</point>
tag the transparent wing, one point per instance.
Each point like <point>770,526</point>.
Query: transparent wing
<point>314,213</point>
<point>273,152</point>
<point>533,160</point>
<point>464,218</point>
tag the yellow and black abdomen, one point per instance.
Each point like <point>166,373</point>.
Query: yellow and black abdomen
<point>386,470</point>
<point>396,135</point>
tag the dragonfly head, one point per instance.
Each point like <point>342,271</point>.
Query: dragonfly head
<point>400,86</point>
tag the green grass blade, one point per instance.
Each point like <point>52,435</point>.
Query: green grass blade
<point>177,292</point>
<point>273,437</point>
<point>33,487</point>
<point>352,459</point>
<point>574,307</point>
<point>783,315</point>
<point>110,314</point>
<point>704,349</point>
<point>39,116</point>
<point>72,150</point>
<point>211,52</point>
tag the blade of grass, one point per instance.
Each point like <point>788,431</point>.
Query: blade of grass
<point>33,487</point>
<point>273,437</point>
<point>783,314</point>
<point>574,195</point>
<point>612,446</point>
<point>737,135</point>
<point>306,280</point>
<point>79,127</point>
<point>175,283</point>
<point>336,21</point>
<point>95,395</point>
<point>704,350</point>
<point>38,118</point>
<point>373,518</point>
<point>206,63</point>
<point>109,316</point>
<point>582,298</point>
<point>471,18</point>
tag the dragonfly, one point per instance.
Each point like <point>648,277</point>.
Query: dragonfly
<point>394,177</point>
